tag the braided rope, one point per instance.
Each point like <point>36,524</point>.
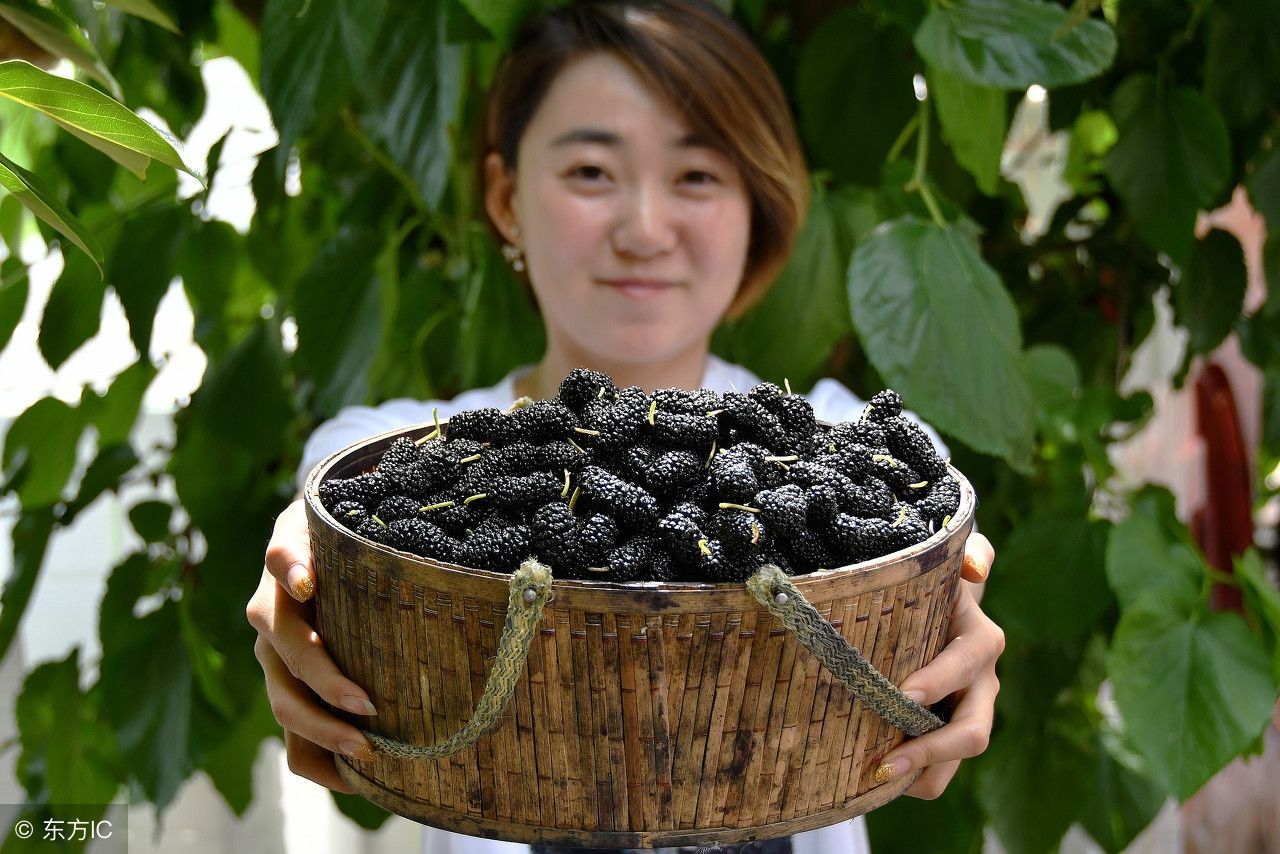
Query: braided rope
<point>524,611</point>
<point>771,588</point>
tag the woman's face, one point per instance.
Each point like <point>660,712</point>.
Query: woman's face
<point>635,234</point>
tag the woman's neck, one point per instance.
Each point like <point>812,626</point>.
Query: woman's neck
<point>684,370</point>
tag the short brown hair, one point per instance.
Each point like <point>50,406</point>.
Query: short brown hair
<point>711,72</point>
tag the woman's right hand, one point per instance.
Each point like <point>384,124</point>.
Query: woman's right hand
<point>299,672</point>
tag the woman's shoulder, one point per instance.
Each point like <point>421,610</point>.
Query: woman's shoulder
<point>353,423</point>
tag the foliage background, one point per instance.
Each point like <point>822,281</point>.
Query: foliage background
<point>913,271</point>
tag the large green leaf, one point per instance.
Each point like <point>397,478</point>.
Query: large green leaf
<point>1147,556</point>
<point>420,97</point>
<point>47,432</point>
<point>60,36</point>
<point>808,305</point>
<point>1263,185</point>
<point>1210,293</point>
<point>73,313</point>
<point>1033,756</point>
<point>1193,686</point>
<point>337,309</point>
<point>115,412</point>
<point>853,93</point>
<point>142,266</point>
<point>14,287</point>
<point>35,195</point>
<point>940,328</point>
<point>974,120</point>
<point>104,474</point>
<point>63,741</point>
<point>1262,601</point>
<point>147,10</point>
<point>312,53</point>
<point>1053,584</point>
<point>1011,44</point>
<point>500,17</point>
<point>1173,158</point>
<point>95,118</point>
<point>30,539</point>
<point>1123,800</point>
<point>1242,62</point>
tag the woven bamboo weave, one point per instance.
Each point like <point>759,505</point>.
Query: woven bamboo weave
<point>645,715</point>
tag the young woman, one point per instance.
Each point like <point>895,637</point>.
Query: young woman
<point>642,168</point>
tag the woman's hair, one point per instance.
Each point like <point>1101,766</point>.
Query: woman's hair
<point>695,55</point>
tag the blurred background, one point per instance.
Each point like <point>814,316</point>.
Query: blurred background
<point>1095,185</point>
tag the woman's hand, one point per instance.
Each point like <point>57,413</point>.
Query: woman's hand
<point>295,663</point>
<point>966,667</point>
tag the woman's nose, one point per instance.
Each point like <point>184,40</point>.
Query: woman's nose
<point>646,225</point>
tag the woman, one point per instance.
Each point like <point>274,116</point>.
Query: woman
<point>642,168</point>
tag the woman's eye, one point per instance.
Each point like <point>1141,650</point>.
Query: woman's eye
<point>591,173</point>
<point>697,176</point>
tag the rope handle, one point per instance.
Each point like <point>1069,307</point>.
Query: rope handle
<point>771,588</point>
<point>528,594</point>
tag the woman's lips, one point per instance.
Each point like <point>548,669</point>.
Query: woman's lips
<point>640,288</point>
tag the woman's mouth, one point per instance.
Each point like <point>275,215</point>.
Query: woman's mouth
<point>640,288</point>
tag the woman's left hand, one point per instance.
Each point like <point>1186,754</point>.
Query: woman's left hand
<point>966,668</point>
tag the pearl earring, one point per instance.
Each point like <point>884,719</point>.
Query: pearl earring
<point>513,254</point>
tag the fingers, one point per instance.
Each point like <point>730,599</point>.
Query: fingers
<point>296,710</point>
<point>313,762</point>
<point>301,650</point>
<point>289,553</point>
<point>976,642</point>
<point>978,557</point>
<point>939,752</point>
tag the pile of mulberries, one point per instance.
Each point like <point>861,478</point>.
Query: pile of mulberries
<point>619,485</point>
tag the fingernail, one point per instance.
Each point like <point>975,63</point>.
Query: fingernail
<point>357,705</point>
<point>891,770</point>
<point>917,696</point>
<point>300,583</point>
<point>356,750</point>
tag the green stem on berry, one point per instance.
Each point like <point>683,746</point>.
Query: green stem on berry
<point>565,491</point>
<point>729,505</point>
<point>438,506</point>
<point>475,497</point>
<point>584,431</point>
<point>470,459</point>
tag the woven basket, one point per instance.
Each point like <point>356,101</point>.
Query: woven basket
<point>645,715</point>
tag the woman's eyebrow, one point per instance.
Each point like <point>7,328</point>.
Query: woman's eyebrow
<point>600,136</point>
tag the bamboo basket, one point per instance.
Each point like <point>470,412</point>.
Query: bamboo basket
<point>645,715</point>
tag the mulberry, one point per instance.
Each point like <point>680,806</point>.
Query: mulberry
<point>350,513</point>
<point>497,545</point>
<point>942,499</point>
<point>397,507</point>
<point>365,489</point>
<point>597,536</point>
<point>884,405</point>
<point>631,505</point>
<point>400,453</point>
<point>679,532</point>
<point>696,402</point>
<point>554,535</point>
<point>582,386</point>
<point>422,538</point>
<point>674,472</point>
<point>373,529</point>
<point>521,492</point>
<point>538,422</point>
<point>751,421</point>
<point>631,560</point>
<point>478,425</point>
<point>908,442</point>
<point>784,510</point>
<point>685,432</point>
<point>740,532</point>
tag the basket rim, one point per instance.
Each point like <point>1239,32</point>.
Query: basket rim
<point>963,518</point>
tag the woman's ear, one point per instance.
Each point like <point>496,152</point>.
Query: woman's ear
<point>499,195</point>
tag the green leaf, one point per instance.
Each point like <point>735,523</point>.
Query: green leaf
<point>337,308</point>
<point>230,764</point>
<point>146,10</point>
<point>1092,136</point>
<point>853,93</point>
<point>951,823</point>
<point>48,432</point>
<point>1123,800</point>
<point>60,36</point>
<point>237,38</point>
<point>114,413</point>
<point>940,328</point>
<point>500,328</point>
<point>142,266</point>
<point>1263,185</point>
<point>207,664</point>
<point>363,812</point>
<point>148,690</point>
<point>63,742</point>
<point>1210,294</point>
<point>312,53</point>
<point>1052,377</point>
<point>974,120</point>
<point>73,313</point>
<point>31,191</point>
<point>1173,158</point>
<point>808,304</point>
<point>14,288</point>
<point>93,117</point>
<point>1040,758</point>
<point>500,17</point>
<point>30,539</point>
<point>151,520</point>
<point>1053,583</point>
<point>1011,44</point>
<point>1193,686</point>
<point>104,473</point>
<point>419,99</point>
<point>1262,602</point>
<point>1146,554</point>
<point>1242,60</point>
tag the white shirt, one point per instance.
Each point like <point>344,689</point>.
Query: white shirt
<point>831,402</point>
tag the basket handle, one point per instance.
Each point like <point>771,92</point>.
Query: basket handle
<point>528,594</point>
<point>771,588</point>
